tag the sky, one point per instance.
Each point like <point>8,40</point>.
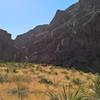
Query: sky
<point>19,16</point>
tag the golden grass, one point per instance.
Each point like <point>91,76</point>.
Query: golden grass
<point>32,81</point>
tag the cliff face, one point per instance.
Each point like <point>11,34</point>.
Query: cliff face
<point>89,4</point>
<point>71,39</point>
<point>7,50</point>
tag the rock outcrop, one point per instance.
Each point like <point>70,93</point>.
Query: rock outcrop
<point>89,4</point>
<point>7,49</point>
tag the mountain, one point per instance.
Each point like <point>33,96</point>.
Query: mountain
<point>72,38</point>
<point>7,49</point>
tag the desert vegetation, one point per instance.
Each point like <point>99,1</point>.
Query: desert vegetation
<point>26,81</point>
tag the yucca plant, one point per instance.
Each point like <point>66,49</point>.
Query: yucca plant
<point>66,94</point>
<point>96,88</point>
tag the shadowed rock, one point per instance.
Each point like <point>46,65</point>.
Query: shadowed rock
<point>7,49</point>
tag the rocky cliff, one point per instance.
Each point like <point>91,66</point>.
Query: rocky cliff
<point>7,49</point>
<point>71,39</point>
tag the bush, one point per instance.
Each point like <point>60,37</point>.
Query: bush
<point>46,81</point>
<point>3,79</point>
<point>67,77</point>
<point>77,81</point>
<point>53,73</point>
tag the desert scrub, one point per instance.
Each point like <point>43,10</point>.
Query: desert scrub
<point>96,88</point>
<point>94,94</point>
<point>32,70</point>
<point>52,73</point>
<point>40,76</point>
<point>21,91</point>
<point>67,77</point>
<point>4,78</point>
<point>38,68</point>
<point>45,81</point>
<point>77,81</point>
<point>81,73</point>
<point>22,78</point>
<point>64,72</point>
<point>67,94</point>
<point>89,77</point>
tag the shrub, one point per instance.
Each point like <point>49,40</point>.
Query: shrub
<point>77,81</point>
<point>46,81</point>
<point>64,72</point>
<point>53,73</point>
<point>3,79</point>
<point>67,77</point>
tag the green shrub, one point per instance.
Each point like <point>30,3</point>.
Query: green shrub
<point>53,73</point>
<point>67,77</point>
<point>46,81</point>
<point>15,71</point>
<point>77,81</point>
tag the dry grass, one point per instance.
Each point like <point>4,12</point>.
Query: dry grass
<point>25,81</point>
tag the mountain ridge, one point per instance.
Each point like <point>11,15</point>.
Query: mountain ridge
<point>72,38</point>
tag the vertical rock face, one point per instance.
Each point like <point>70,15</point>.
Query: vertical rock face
<point>6,46</point>
<point>89,4</point>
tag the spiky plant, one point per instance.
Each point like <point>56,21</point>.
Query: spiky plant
<point>96,88</point>
<point>66,94</point>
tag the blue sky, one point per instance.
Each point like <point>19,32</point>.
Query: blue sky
<point>19,16</point>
